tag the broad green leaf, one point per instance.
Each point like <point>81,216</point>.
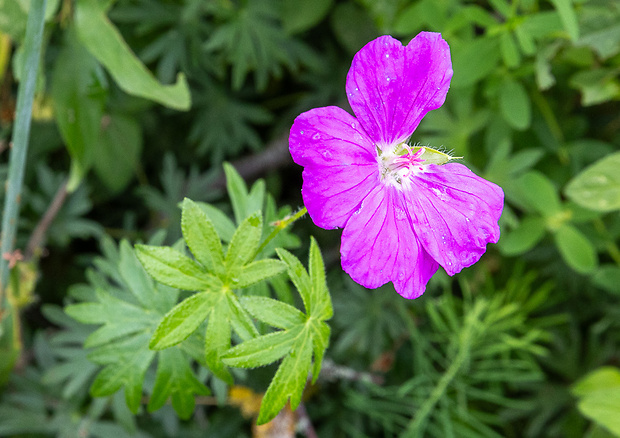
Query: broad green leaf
<point>273,312</point>
<point>175,380</point>
<point>174,269</point>
<point>217,339</point>
<point>257,271</point>
<point>523,238</point>
<point>514,104</point>
<point>474,60</point>
<point>597,86</point>
<point>183,320</point>
<point>598,186</point>
<point>539,193</point>
<point>243,246</point>
<point>289,381</point>
<point>117,150</point>
<point>576,250</point>
<point>78,95</point>
<point>106,44</point>
<point>608,277</point>
<point>301,15</point>
<point>568,17</point>
<point>599,394</point>
<point>201,238</point>
<point>263,350</point>
<point>599,379</point>
<point>299,276</point>
<point>352,26</point>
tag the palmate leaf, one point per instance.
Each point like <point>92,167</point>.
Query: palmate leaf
<point>301,337</point>
<point>214,275</point>
<point>252,40</point>
<point>128,305</point>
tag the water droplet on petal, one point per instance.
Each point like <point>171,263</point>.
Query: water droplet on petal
<point>316,136</point>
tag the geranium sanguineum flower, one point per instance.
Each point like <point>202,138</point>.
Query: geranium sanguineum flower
<point>404,210</point>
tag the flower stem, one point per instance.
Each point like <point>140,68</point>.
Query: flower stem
<point>21,133</point>
<point>280,225</point>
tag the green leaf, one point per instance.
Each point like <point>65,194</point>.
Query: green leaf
<point>239,196</point>
<point>539,193</point>
<point>568,17</point>
<point>176,380</point>
<point>201,237</point>
<point>509,49</point>
<point>298,275</point>
<point>263,350</point>
<point>224,227</point>
<point>321,307</point>
<point>240,318</point>
<point>184,318</point>
<point>243,246</point>
<point>174,269</point>
<point>514,104</point>
<point>576,250</point>
<point>474,60</point>
<point>352,26</point>
<point>523,238</point>
<point>258,271</point>
<point>608,277</point>
<point>126,363</point>
<point>119,318</point>
<point>106,44</point>
<point>117,151</point>
<point>599,379</point>
<point>273,312</point>
<point>78,95</point>
<point>320,342</point>
<point>600,397</point>
<point>598,186</point>
<point>217,338</point>
<point>301,15</point>
<point>289,381</point>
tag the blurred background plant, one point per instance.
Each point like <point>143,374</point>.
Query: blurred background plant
<point>137,104</point>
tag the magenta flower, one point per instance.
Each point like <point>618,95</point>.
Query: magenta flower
<point>404,210</point>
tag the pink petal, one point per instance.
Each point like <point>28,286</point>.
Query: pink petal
<point>340,165</point>
<point>378,245</point>
<point>455,214</point>
<point>391,87</point>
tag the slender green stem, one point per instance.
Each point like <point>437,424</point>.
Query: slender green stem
<point>280,225</point>
<point>21,133</point>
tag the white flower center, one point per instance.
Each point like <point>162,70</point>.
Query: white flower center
<point>398,165</point>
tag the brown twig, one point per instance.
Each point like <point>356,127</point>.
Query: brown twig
<point>35,243</point>
<point>274,156</point>
<point>304,423</point>
<point>332,371</point>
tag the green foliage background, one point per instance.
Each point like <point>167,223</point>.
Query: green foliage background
<point>140,102</point>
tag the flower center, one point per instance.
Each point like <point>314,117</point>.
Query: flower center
<point>398,165</point>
